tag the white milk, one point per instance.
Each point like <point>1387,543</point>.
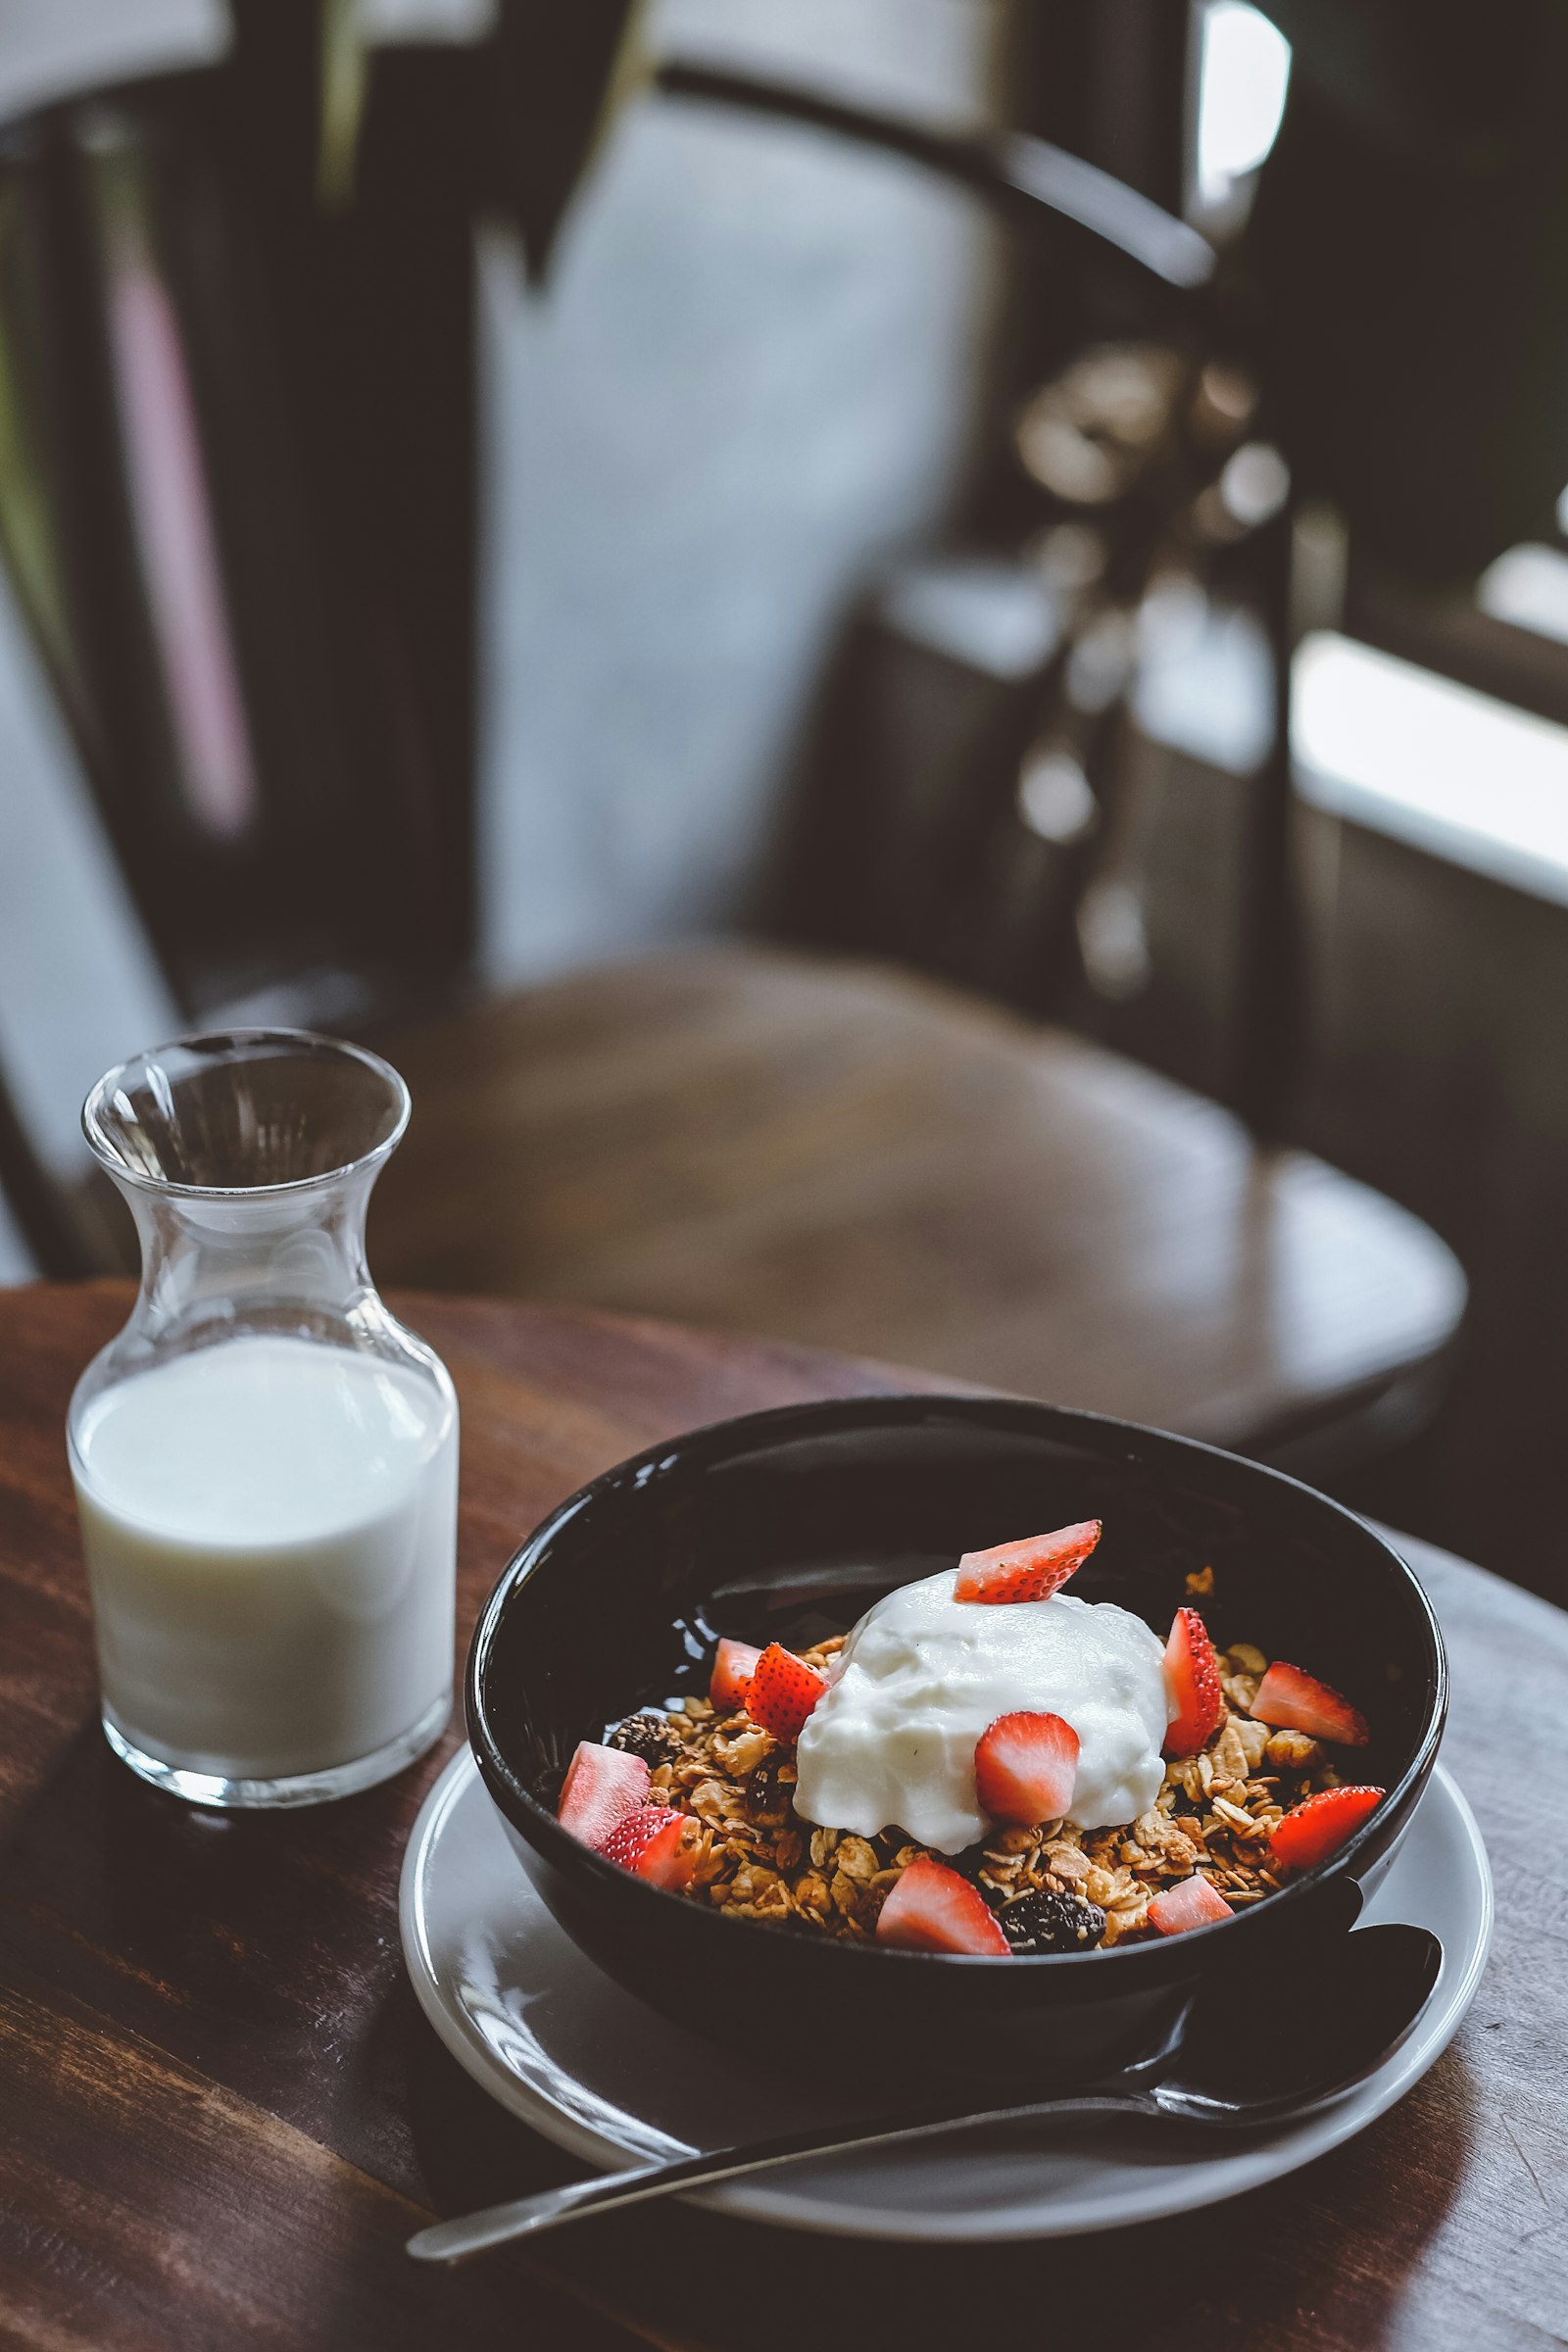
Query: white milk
<point>269,1527</point>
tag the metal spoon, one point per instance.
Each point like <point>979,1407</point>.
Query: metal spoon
<point>1252,2053</point>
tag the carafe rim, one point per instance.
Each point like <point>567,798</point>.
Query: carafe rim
<point>236,1043</point>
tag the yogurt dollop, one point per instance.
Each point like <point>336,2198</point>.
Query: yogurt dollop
<point>922,1675</point>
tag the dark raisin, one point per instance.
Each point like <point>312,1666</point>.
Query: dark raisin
<point>770,1788</point>
<point>653,1737</point>
<point>1044,1922</point>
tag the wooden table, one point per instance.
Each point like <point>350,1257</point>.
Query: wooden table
<point>220,2112</point>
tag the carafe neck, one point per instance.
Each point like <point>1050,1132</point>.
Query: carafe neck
<point>292,1258</point>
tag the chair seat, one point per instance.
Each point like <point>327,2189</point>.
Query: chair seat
<point>848,1156</point>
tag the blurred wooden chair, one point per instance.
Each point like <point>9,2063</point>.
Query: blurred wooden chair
<point>842,1154</point>
<point>823,1149</point>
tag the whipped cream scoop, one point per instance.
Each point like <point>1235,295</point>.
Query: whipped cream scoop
<point>922,1675</point>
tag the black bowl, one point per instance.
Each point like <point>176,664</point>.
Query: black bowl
<point>787,1525</point>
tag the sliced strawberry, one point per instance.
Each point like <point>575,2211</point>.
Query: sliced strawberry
<point>1191,1686</point>
<point>1024,1768</point>
<point>1192,1904</point>
<point>600,1785</point>
<point>782,1692</point>
<point>932,1909</point>
<point>733,1665</point>
<point>1321,1825</point>
<point>1029,1570</point>
<point>655,1844</point>
<point>1294,1701</point>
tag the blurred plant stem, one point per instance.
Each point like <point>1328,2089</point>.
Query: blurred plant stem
<point>345,82</point>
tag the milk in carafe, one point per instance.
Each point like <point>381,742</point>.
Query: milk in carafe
<point>269,1530</point>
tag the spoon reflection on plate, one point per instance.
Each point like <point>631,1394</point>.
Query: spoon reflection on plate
<point>1254,2055</point>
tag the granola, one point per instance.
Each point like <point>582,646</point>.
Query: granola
<point>757,1859</point>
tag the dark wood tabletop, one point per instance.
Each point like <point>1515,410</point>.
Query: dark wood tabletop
<point>221,2112</point>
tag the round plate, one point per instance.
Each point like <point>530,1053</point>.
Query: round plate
<point>611,2079</point>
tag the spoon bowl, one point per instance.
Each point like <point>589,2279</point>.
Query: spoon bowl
<point>1260,2049</point>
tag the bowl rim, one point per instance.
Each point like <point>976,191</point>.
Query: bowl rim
<point>543,1832</point>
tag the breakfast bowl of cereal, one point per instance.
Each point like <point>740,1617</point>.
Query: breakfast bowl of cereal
<point>804,1742</point>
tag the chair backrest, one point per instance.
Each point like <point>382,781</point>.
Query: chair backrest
<point>237,500</point>
<point>237,496</point>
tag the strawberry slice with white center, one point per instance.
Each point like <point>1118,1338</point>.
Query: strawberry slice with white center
<point>1191,1686</point>
<point>657,1844</point>
<point>1192,1904</point>
<point>932,1909</point>
<point>602,1783</point>
<point>734,1664</point>
<point>1024,1768</point>
<point>1294,1701</point>
<point>1321,1825</point>
<point>782,1692</point>
<point>1030,1570</point>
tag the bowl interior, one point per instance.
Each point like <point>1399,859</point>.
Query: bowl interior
<point>788,1525</point>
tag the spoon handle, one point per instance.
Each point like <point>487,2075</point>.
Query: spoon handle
<point>526,2217</point>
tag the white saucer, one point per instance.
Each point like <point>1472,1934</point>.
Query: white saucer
<point>611,2079</point>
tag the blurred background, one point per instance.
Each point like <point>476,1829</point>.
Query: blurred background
<point>910,654</point>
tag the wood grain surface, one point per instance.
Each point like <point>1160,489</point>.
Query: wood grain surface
<point>220,2111</point>
<point>854,1158</point>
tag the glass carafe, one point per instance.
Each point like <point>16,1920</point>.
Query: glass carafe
<point>266,1461</point>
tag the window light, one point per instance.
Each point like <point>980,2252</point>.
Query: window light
<point>1244,72</point>
<point>1426,761</point>
<point>1528,586</point>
